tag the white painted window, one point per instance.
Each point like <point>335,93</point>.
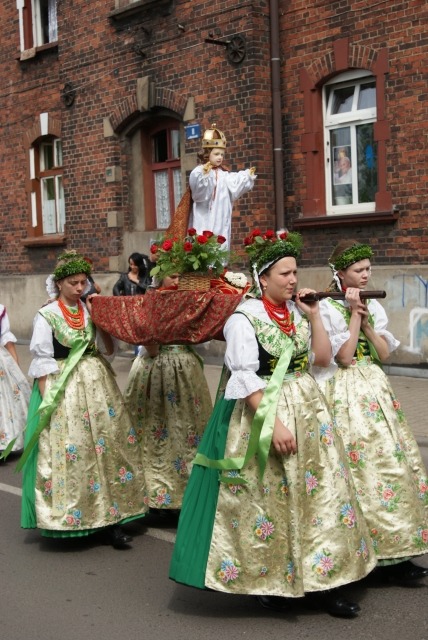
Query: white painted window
<point>349,104</point>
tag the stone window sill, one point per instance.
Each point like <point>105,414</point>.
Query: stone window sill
<point>44,241</point>
<point>379,217</point>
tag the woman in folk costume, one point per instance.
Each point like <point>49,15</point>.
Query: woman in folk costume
<point>14,391</point>
<point>169,401</point>
<point>270,509</point>
<point>81,461</point>
<point>385,462</point>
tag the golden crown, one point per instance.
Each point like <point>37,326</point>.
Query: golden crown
<point>213,138</point>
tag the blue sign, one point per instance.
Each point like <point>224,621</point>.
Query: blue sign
<point>193,131</point>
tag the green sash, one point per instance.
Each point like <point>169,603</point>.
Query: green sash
<point>346,313</point>
<point>261,427</point>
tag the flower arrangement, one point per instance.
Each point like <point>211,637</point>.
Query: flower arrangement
<point>264,247</point>
<point>196,253</point>
<point>238,280</point>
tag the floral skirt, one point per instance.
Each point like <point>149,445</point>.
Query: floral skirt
<point>86,471</point>
<point>298,530</point>
<point>14,397</point>
<point>388,471</point>
<point>170,404</point>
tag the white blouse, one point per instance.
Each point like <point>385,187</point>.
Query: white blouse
<point>242,351</point>
<point>339,334</point>
<point>6,334</point>
<point>41,345</point>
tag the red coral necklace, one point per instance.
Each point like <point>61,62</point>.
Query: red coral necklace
<point>280,315</point>
<point>74,319</point>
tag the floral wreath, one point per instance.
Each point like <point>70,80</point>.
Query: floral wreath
<point>70,263</point>
<point>264,249</point>
<point>353,254</point>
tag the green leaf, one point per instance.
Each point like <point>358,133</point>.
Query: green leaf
<point>5,452</point>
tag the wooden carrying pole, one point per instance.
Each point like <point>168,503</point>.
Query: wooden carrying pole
<point>339,295</point>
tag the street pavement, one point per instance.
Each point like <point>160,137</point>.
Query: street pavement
<point>80,589</point>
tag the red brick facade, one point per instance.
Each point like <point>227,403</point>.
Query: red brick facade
<point>116,67</point>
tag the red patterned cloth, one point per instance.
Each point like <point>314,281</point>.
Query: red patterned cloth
<point>165,317</point>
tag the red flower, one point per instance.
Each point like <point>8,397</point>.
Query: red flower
<point>167,245</point>
<point>207,234</point>
<point>202,239</point>
<point>283,235</point>
<point>191,232</point>
<point>154,248</point>
<point>255,232</point>
<point>247,241</point>
<point>221,239</point>
<point>187,246</point>
<point>269,234</point>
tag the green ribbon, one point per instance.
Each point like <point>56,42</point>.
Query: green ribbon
<point>347,315</point>
<point>261,427</point>
<point>53,395</point>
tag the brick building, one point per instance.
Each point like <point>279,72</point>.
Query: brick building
<point>101,103</point>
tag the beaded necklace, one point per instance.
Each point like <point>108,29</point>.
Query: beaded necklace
<point>280,315</point>
<point>74,319</point>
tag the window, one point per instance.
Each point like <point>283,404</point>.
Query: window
<point>163,171</point>
<point>47,194</point>
<point>37,22</point>
<point>350,147</point>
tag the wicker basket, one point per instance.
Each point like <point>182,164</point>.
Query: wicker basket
<point>194,282</point>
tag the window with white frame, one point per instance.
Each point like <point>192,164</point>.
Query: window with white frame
<point>37,22</point>
<point>350,149</point>
<point>166,171</point>
<point>47,195</point>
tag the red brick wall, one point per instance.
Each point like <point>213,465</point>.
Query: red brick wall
<point>309,31</point>
<point>99,59</point>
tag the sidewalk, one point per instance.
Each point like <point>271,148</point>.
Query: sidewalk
<point>411,392</point>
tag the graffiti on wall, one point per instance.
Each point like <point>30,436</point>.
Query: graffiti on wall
<point>411,291</point>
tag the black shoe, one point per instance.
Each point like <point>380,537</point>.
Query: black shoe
<point>403,573</point>
<point>333,603</point>
<point>273,603</point>
<point>115,536</point>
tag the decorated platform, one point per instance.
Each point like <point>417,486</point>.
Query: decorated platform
<point>165,316</point>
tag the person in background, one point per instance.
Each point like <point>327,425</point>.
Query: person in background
<point>81,461</point>
<point>137,278</point>
<point>269,509</point>
<point>385,462</point>
<point>169,401</point>
<point>14,391</point>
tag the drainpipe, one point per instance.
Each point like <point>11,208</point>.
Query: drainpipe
<point>276,114</point>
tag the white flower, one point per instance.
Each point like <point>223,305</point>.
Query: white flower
<point>236,279</point>
<point>51,287</point>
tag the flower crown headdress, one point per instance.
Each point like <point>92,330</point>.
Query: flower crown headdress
<point>352,254</point>
<point>264,249</point>
<point>68,264</point>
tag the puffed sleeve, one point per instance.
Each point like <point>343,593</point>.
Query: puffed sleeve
<point>6,334</point>
<point>41,348</point>
<point>201,184</point>
<point>239,183</point>
<point>381,324</point>
<point>241,358</point>
<point>338,333</point>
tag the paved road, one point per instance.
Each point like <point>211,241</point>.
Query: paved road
<point>66,590</point>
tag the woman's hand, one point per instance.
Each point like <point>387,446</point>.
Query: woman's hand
<point>308,308</point>
<point>352,297</point>
<point>283,440</point>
